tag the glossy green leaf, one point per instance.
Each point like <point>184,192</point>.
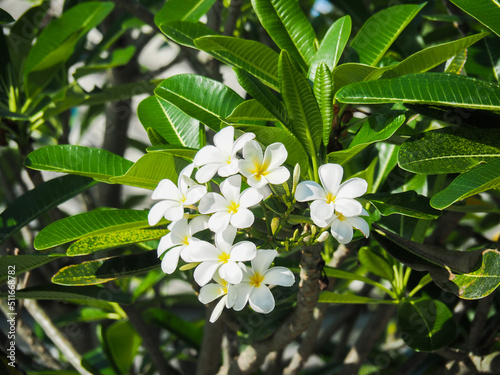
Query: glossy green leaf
<point>171,123</point>
<point>347,73</point>
<point>251,110</point>
<point>331,297</point>
<point>185,33</point>
<point>181,152</point>
<point>267,135</point>
<point>123,342</point>
<point>35,202</point>
<point>485,11</point>
<point>56,42</point>
<point>202,98</point>
<point>262,94</point>
<point>70,294</point>
<point>117,57</point>
<point>331,46</point>
<point>408,203</point>
<point>341,274</point>
<point>182,10</point>
<point>480,178</point>
<point>5,17</point>
<point>379,32</point>
<point>387,160</point>
<point>305,118</point>
<point>455,65</point>
<point>430,57</point>
<point>89,224</point>
<point>376,128</point>
<point>103,270</point>
<point>89,245</point>
<point>254,57</point>
<point>323,91</point>
<point>449,150</point>
<point>150,169</point>
<point>22,263</point>
<point>426,324</point>
<point>426,88</point>
<point>375,263</point>
<point>155,138</point>
<point>288,26</point>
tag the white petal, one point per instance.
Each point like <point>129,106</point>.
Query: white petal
<point>242,140</point>
<point>204,272</point>
<point>360,224</point>
<point>257,181</point>
<point>342,231</point>
<point>217,311</point>
<point>275,155</point>
<point>231,188</point>
<point>231,296</point>
<point>278,176</point>
<point>219,221</point>
<point>252,153</point>
<point>175,212</point>
<point>263,260</point>
<point>321,209</point>
<point>195,193</point>
<point>158,211</point>
<point>243,251</point>
<point>205,173</point>
<point>279,276</point>
<point>250,197</point>
<point>231,272</point>
<point>165,244</point>
<point>265,191</point>
<point>224,239</point>
<point>246,168</point>
<point>242,219</point>
<point>171,259</point>
<point>212,202</point>
<point>201,251</point>
<point>353,188</point>
<point>210,292</point>
<point>262,300</point>
<point>308,191</point>
<point>179,229</point>
<point>166,189</point>
<point>331,176</point>
<point>348,206</point>
<point>198,224</point>
<point>322,223</point>
<point>208,155</point>
<point>229,169</point>
<point>242,293</point>
<point>224,140</point>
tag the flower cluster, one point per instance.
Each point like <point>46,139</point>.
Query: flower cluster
<point>235,283</point>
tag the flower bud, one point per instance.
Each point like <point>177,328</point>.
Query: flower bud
<point>322,237</point>
<point>275,224</point>
<point>307,239</point>
<point>296,177</point>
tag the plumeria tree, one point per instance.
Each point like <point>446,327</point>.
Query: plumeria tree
<point>331,206</point>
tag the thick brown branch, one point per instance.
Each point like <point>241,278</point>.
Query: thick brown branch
<point>211,347</point>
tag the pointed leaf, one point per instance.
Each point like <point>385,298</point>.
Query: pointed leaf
<point>123,342</point>
<point>331,297</point>
<point>155,138</point>
<point>375,263</point>
<point>202,98</point>
<point>117,57</point>
<point>430,88</point>
<point>408,203</point>
<point>323,91</point>
<point>485,11</point>
<point>379,32</point>
<point>449,150</point>
<point>254,57</point>
<point>171,123</point>
<point>353,72</point>
<point>185,33</point>
<point>38,201</point>
<point>251,110</point>
<point>341,274</point>
<point>480,178</point>
<point>23,263</point>
<point>331,46</point>
<point>181,152</point>
<point>182,10</point>
<point>89,224</point>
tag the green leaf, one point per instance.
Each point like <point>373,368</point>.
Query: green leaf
<point>150,169</point>
<point>480,178</point>
<point>185,33</point>
<point>96,163</point>
<point>22,263</point>
<point>449,150</point>
<point>117,57</point>
<point>288,26</point>
<point>90,245</point>
<point>331,297</point>
<point>5,17</point>
<point>341,274</point>
<point>202,98</point>
<point>267,135</point>
<point>107,269</point>
<point>189,332</point>
<point>35,202</point>
<point>305,118</point>
<point>408,203</point>
<point>375,263</point>
<point>426,324</point>
<point>323,91</point>
<point>89,224</point>
<point>254,57</point>
<point>485,11</point>
<point>251,110</point>
<point>375,128</point>
<point>335,40</point>
<point>74,293</point>
<point>182,10</point>
<point>155,138</point>
<point>181,152</point>
<point>56,42</point>
<point>430,57</point>
<point>428,88</point>
<point>171,123</point>
<point>122,342</point>
<point>379,32</point>
<point>352,72</point>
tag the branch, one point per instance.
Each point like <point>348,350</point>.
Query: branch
<point>210,353</point>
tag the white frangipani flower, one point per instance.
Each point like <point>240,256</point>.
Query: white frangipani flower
<point>253,287</point>
<point>212,291</point>
<point>179,241</point>
<point>332,196</point>
<point>220,158</point>
<point>262,169</point>
<point>173,199</point>
<point>222,257</point>
<point>342,226</point>
<point>231,207</point>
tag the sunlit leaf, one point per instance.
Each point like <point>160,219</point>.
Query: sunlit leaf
<point>323,91</point>
<point>21,263</point>
<point>485,11</point>
<point>331,297</point>
<point>408,203</point>
<point>182,10</point>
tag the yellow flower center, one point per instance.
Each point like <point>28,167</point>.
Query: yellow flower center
<point>330,198</point>
<point>256,279</point>
<point>259,169</point>
<point>185,240</point>
<point>224,258</point>
<point>340,216</point>
<point>233,208</point>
